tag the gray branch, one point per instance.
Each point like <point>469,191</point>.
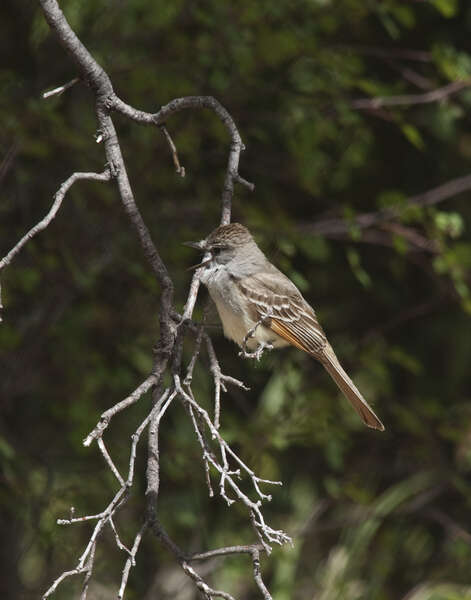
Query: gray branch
<point>168,349</point>
<point>339,228</point>
<point>58,199</point>
<point>411,99</point>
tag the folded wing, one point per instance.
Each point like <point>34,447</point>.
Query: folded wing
<point>276,300</point>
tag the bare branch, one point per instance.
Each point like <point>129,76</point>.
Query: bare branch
<point>114,410</point>
<point>168,350</point>
<point>131,561</point>
<point>258,574</point>
<point>58,199</point>
<point>411,99</point>
<point>191,365</point>
<point>88,573</point>
<point>85,563</point>
<point>191,102</point>
<point>119,543</point>
<point>153,465</point>
<point>450,525</point>
<point>411,75</point>
<point>61,578</point>
<point>396,53</point>
<point>58,91</point>
<point>266,533</point>
<point>205,589</point>
<point>179,169</point>
<point>155,415</point>
<point>224,552</point>
<point>411,235</point>
<point>338,228</point>
<point>219,380</point>
<point>107,457</point>
<point>242,181</point>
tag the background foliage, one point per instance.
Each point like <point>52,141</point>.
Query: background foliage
<point>380,516</point>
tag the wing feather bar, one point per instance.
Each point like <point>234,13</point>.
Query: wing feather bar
<point>285,330</point>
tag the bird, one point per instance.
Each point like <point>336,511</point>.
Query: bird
<point>260,307</point>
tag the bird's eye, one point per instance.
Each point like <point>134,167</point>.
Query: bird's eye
<point>216,251</point>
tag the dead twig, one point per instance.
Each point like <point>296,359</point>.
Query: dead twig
<point>58,91</point>
<point>179,169</point>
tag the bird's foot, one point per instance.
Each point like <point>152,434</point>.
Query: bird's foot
<point>258,352</point>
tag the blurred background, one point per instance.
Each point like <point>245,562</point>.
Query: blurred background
<point>374,516</point>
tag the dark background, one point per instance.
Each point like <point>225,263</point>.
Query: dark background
<point>374,516</point>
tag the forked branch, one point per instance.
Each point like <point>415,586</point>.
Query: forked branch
<point>219,459</point>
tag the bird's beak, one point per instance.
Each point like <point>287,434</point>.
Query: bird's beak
<point>195,245</point>
<point>201,246</point>
<point>201,264</point>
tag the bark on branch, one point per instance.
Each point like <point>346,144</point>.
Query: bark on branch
<point>217,456</point>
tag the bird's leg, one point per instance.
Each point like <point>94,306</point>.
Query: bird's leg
<point>250,334</point>
<point>257,353</point>
<point>261,347</point>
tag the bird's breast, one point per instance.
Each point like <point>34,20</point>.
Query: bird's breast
<point>233,322</point>
<point>233,310</point>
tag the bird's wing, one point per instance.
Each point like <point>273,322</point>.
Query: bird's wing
<point>275,299</point>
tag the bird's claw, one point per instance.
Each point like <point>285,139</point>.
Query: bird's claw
<point>258,352</point>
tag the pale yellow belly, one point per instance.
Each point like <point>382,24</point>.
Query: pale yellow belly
<point>236,326</point>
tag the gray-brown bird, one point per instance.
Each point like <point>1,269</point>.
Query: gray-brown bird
<point>260,307</point>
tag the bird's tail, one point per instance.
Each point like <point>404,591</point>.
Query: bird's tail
<point>348,388</point>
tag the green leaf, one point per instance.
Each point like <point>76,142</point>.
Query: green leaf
<point>448,8</point>
<point>355,263</point>
<point>454,64</point>
<point>450,223</point>
<point>413,135</point>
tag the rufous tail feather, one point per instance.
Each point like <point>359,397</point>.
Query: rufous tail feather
<point>348,388</point>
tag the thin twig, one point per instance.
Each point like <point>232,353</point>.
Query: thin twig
<point>119,543</point>
<point>107,457</point>
<point>173,149</point>
<point>219,380</point>
<point>337,227</point>
<point>88,574</point>
<point>189,102</point>
<point>61,578</point>
<point>118,500</point>
<point>58,199</point>
<point>396,53</point>
<point>196,351</point>
<point>227,550</point>
<point>131,561</point>
<point>61,89</point>
<point>264,531</point>
<point>117,408</point>
<point>411,99</point>
<point>411,75</point>
<point>244,182</point>
<point>205,589</point>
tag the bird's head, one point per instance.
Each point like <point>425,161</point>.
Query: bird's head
<point>223,244</point>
